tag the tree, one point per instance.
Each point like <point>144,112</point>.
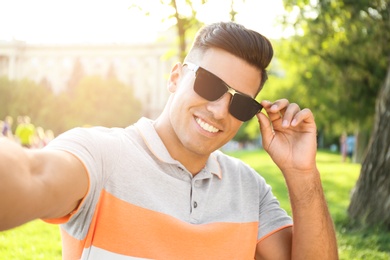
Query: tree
<point>86,105</point>
<point>177,14</point>
<point>76,76</point>
<point>182,15</point>
<point>348,42</point>
<point>26,98</point>
<point>89,105</point>
<point>370,203</point>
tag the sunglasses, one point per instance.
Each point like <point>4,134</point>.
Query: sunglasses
<point>210,87</point>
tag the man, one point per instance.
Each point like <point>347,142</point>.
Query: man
<point>161,189</point>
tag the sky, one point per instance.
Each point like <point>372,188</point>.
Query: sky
<point>112,21</point>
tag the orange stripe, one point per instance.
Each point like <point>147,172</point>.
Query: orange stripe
<point>72,248</point>
<point>273,232</point>
<point>131,230</point>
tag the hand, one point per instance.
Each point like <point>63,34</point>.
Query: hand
<point>289,135</point>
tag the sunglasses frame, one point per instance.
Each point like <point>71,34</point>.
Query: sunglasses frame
<point>195,68</point>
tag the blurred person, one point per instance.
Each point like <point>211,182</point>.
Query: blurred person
<point>39,138</point>
<point>7,127</point>
<point>49,135</point>
<point>161,189</point>
<point>350,143</point>
<point>343,146</point>
<point>25,132</point>
<point>20,123</point>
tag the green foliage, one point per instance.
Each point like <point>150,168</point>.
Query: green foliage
<point>343,46</point>
<point>337,62</point>
<point>249,131</point>
<point>24,98</point>
<point>105,102</point>
<point>93,101</point>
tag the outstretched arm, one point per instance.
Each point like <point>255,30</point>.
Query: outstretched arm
<point>38,184</point>
<point>289,136</point>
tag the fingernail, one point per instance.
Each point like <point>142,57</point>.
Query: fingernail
<point>294,122</point>
<point>274,107</point>
<point>285,123</point>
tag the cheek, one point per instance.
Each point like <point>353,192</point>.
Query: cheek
<point>179,108</point>
<point>179,103</point>
<point>185,98</point>
<point>235,127</point>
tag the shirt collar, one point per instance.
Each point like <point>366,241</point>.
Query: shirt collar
<point>156,146</point>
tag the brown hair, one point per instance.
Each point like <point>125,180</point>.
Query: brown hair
<point>234,38</point>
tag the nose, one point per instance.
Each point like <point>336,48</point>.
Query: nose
<point>220,107</point>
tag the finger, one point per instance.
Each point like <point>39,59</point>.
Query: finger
<point>305,115</point>
<point>266,129</point>
<point>274,109</point>
<point>279,105</point>
<point>289,114</point>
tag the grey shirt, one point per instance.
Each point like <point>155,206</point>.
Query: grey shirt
<point>140,200</point>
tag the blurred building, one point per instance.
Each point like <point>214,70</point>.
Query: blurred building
<point>142,67</point>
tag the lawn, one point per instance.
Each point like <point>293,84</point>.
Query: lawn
<point>338,180</point>
<point>34,240</point>
<point>37,240</point>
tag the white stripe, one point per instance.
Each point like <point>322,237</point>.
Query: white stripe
<point>96,253</point>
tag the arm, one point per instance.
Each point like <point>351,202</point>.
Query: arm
<point>289,136</point>
<point>38,184</point>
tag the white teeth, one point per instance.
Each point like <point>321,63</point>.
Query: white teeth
<point>207,127</point>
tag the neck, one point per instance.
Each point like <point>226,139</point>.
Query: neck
<point>193,162</point>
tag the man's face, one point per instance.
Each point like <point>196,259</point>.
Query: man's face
<point>201,126</point>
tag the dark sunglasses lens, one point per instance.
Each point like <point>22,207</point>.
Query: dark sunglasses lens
<point>244,108</point>
<point>209,86</point>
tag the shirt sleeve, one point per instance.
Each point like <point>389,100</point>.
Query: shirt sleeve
<point>272,217</point>
<point>97,149</point>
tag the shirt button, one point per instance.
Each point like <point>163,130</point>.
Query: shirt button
<point>195,204</point>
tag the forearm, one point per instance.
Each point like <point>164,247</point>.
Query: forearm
<point>313,232</point>
<point>14,180</point>
<point>38,184</point>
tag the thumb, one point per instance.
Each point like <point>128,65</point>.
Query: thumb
<point>266,129</point>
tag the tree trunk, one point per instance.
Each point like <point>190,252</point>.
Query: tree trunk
<point>370,202</point>
<point>362,140</point>
<point>181,32</point>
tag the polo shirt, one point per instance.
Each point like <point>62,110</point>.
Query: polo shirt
<point>143,204</point>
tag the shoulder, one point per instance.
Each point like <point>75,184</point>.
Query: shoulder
<point>97,133</point>
<point>89,140</point>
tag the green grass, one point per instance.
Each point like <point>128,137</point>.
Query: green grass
<point>338,180</point>
<point>34,240</point>
<point>38,240</point>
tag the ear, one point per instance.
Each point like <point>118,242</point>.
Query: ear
<point>174,77</point>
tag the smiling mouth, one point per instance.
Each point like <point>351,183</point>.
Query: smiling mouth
<point>205,126</point>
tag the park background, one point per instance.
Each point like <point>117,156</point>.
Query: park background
<point>332,56</point>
